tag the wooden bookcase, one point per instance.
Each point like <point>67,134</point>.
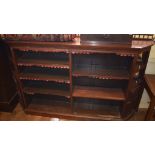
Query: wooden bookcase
<point>80,81</point>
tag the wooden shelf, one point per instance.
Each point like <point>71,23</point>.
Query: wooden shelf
<point>63,110</point>
<point>103,74</point>
<point>99,93</point>
<point>52,106</point>
<point>46,91</point>
<point>40,49</point>
<point>43,63</point>
<point>44,77</point>
<point>99,110</point>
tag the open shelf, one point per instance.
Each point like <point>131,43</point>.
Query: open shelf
<point>99,93</point>
<point>66,113</point>
<point>43,63</point>
<point>46,88</point>
<point>44,77</point>
<point>100,111</point>
<point>97,107</point>
<point>48,103</point>
<point>46,91</point>
<point>62,109</point>
<point>102,73</point>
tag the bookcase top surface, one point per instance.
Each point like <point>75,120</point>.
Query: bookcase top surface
<point>136,45</point>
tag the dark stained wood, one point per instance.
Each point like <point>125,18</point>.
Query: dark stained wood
<point>79,50</point>
<point>39,49</point>
<point>19,115</point>
<point>150,80</point>
<point>43,77</point>
<point>18,82</point>
<point>150,87</point>
<point>99,93</point>
<point>150,111</point>
<point>112,86</point>
<point>66,113</point>
<point>101,38</point>
<point>43,63</point>
<point>97,110</point>
<point>46,91</point>
<point>8,91</point>
<point>143,65</point>
<point>103,73</point>
<point>127,107</point>
<point>45,46</point>
<point>52,106</point>
<point>71,80</point>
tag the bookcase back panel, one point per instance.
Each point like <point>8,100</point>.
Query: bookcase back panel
<point>47,71</point>
<point>47,99</point>
<point>84,81</point>
<point>96,106</point>
<point>101,61</point>
<point>45,84</point>
<point>42,55</point>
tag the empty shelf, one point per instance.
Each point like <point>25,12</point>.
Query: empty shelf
<point>99,93</point>
<point>43,63</point>
<point>96,110</point>
<point>103,74</point>
<point>46,91</point>
<point>44,77</point>
<point>50,106</point>
<point>63,110</point>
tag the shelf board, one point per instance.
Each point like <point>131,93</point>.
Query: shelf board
<point>97,110</point>
<point>44,77</point>
<point>103,74</point>
<point>60,110</point>
<point>99,93</point>
<point>54,106</point>
<point>43,63</point>
<point>46,91</point>
<point>40,49</point>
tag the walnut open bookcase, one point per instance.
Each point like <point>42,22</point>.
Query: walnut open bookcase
<point>78,81</point>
